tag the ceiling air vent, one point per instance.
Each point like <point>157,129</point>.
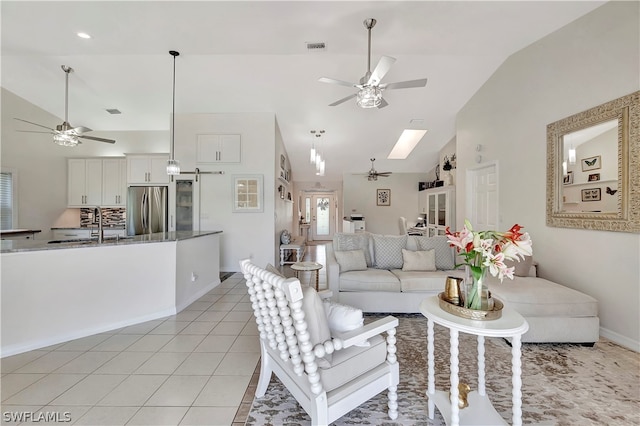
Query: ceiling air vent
<point>316,46</point>
<point>113,111</point>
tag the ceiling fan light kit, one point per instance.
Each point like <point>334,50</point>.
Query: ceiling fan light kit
<point>373,174</point>
<point>173,165</point>
<point>370,90</point>
<point>66,139</point>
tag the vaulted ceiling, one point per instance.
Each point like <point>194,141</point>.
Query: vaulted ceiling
<point>251,56</point>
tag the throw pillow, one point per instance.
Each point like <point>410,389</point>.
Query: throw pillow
<point>351,260</point>
<point>341,317</point>
<point>360,241</point>
<point>273,270</point>
<point>444,252</point>
<point>388,250</point>
<point>317,324</point>
<point>521,268</point>
<point>423,260</point>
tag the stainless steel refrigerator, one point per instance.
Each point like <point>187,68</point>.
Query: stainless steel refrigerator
<point>147,210</point>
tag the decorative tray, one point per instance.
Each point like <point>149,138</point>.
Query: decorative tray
<point>471,314</point>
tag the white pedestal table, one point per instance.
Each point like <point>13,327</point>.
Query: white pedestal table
<point>480,410</point>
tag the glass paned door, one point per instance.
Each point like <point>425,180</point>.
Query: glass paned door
<point>323,216</point>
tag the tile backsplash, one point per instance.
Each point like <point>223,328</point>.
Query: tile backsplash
<point>110,217</point>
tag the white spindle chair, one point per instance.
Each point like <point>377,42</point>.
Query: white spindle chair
<point>356,373</point>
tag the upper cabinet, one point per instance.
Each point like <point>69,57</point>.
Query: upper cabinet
<point>218,148</point>
<point>147,169</point>
<point>84,182</point>
<point>114,182</point>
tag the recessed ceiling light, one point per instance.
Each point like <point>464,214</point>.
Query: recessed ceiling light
<point>406,142</point>
<point>83,35</point>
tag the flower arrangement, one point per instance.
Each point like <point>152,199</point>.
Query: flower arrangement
<point>487,250</point>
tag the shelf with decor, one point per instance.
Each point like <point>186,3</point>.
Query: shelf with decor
<point>593,182</point>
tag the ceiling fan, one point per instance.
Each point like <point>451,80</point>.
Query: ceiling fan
<point>65,134</point>
<point>370,90</point>
<point>373,174</point>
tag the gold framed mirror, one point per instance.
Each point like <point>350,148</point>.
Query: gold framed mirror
<point>593,168</point>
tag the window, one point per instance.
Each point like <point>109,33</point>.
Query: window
<point>7,196</point>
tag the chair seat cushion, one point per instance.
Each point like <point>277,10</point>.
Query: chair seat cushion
<point>350,363</point>
<point>412,281</point>
<point>370,280</point>
<point>537,297</point>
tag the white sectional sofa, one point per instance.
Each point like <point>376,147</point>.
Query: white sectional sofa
<point>366,271</point>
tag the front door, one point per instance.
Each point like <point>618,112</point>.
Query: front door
<point>322,211</point>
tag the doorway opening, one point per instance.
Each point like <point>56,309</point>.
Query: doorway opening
<point>320,211</point>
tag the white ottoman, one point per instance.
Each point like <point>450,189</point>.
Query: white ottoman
<point>556,314</point>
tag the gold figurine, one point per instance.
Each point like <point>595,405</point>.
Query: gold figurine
<point>463,391</point>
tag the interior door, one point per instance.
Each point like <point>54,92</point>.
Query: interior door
<point>323,217</point>
<point>482,197</point>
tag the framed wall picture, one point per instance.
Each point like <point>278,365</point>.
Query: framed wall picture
<point>383,197</point>
<point>591,163</point>
<point>594,177</point>
<point>568,178</point>
<point>591,194</point>
<point>247,194</point>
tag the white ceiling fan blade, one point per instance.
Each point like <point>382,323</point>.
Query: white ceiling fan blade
<point>404,84</point>
<point>93,138</point>
<point>383,67</point>
<point>383,103</point>
<point>338,102</point>
<point>334,81</point>
<point>81,129</point>
<point>35,124</point>
<point>35,131</point>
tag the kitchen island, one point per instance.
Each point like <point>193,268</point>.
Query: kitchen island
<point>55,292</point>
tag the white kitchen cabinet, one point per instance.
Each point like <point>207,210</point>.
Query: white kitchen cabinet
<point>218,148</point>
<point>147,169</point>
<point>114,182</point>
<point>84,182</point>
<point>440,209</point>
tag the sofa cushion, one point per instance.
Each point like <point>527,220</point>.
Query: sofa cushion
<point>537,297</point>
<point>360,241</point>
<point>388,250</point>
<point>444,252</point>
<point>370,280</point>
<point>317,324</point>
<point>412,281</point>
<point>521,268</point>
<point>351,260</point>
<point>421,260</point>
<point>352,362</point>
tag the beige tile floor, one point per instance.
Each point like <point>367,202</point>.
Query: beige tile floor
<point>194,368</point>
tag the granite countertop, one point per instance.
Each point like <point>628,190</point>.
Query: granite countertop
<point>13,246</point>
<point>89,227</point>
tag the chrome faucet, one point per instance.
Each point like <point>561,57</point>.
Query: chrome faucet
<point>98,211</point>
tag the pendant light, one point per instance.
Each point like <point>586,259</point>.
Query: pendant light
<point>173,165</point>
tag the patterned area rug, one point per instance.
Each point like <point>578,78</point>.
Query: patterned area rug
<point>562,384</point>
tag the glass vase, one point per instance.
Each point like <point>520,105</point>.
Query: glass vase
<point>477,292</point>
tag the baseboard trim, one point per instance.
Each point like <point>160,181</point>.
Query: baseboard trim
<point>621,340</point>
<point>198,295</point>
<point>54,340</point>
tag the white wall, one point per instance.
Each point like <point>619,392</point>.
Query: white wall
<point>42,165</point>
<point>591,61</point>
<point>360,196</point>
<point>244,234</point>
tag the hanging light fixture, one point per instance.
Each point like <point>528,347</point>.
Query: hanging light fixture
<point>319,161</point>
<point>312,153</point>
<point>173,165</point>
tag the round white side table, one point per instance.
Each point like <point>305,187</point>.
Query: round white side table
<point>480,409</point>
<point>308,266</point>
